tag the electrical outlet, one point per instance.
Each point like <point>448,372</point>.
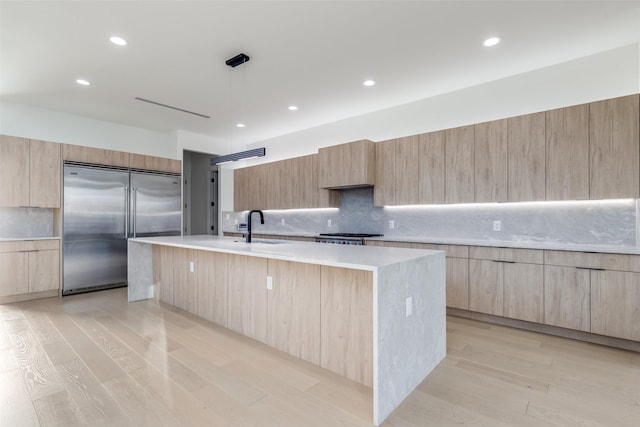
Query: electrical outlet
<point>328,223</point>
<point>409,306</point>
<point>227,216</point>
<point>269,282</point>
<point>497,225</point>
<point>235,222</point>
<point>282,221</point>
<point>192,266</point>
<point>392,224</point>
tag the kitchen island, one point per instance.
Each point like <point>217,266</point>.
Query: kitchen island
<point>374,315</point>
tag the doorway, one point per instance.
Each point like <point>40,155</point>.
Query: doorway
<point>200,180</point>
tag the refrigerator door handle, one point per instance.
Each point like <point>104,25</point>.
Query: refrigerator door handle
<point>126,211</point>
<point>135,205</point>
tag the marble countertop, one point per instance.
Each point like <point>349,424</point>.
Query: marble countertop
<point>347,256</point>
<point>22,239</point>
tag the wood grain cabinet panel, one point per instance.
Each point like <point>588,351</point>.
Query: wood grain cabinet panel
<point>459,165</point>
<point>14,171</point>
<point>44,271</point>
<point>241,189</point>
<point>184,280</point>
<point>406,180</point>
<point>163,272</point>
<point>486,286</point>
<point>14,279</point>
<point>293,313</point>
<point>346,312</point>
<point>567,297</point>
<point>458,283</point>
<point>526,162</point>
<point>567,151</point>
<point>211,286</point>
<point>524,291</point>
<point>615,304</point>
<point>247,296</point>
<point>431,167</point>
<point>491,161</point>
<point>154,163</point>
<point>45,174</point>
<point>614,148</point>
<point>347,165</point>
<point>99,156</point>
<point>384,192</point>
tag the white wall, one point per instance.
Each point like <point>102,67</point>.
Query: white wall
<point>39,123</point>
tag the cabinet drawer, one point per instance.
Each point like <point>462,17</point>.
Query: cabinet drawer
<point>620,262</point>
<point>452,251</point>
<point>29,245</point>
<point>530,256</point>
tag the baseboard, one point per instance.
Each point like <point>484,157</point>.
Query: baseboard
<point>28,297</point>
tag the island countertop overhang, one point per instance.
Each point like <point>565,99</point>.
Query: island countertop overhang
<point>355,257</point>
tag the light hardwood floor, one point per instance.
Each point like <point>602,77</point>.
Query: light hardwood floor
<point>95,359</point>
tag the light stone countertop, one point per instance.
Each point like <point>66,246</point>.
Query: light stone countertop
<point>347,256</point>
<point>22,239</point>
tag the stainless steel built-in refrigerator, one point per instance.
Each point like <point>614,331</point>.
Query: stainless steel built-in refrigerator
<point>103,207</point>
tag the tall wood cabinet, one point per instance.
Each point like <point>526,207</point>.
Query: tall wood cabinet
<point>384,192</point>
<point>29,173</point>
<point>459,165</point>
<point>431,168</point>
<point>347,165</point>
<point>491,161</point>
<point>526,161</point>
<point>614,148</point>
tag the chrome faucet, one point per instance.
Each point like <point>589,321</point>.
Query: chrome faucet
<point>248,237</point>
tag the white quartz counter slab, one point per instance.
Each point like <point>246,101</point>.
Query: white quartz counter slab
<point>634,250</point>
<point>23,239</point>
<point>347,256</point>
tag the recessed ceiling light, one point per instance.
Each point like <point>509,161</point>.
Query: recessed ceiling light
<point>491,41</point>
<point>83,82</point>
<point>240,125</point>
<point>118,40</point>
<point>293,107</point>
<point>368,82</point>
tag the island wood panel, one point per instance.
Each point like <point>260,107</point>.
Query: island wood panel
<point>100,156</point>
<point>247,296</point>
<point>615,310</point>
<point>526,162</point>
<point>293,309</point>
<point>407,170</point>
<point>567,151</point>
<point>211,286</point>
<point>567,297</point>
<point>154,163</point>
<point>491,161</point>
<point>431,167</point>
<point>384,192</point>
<point>163,272</point>
<point>347,323</point>
<point>486,286</point>
<point>458,283</point>
<point>14,171</point>
<point>44,271</point>
<point>184,280</point>
<point>14,279</point>
<point>347,165</point>
<point>459,165</point>
<point>524,291</point>
<point>614,148</point>
<point>45,174</point>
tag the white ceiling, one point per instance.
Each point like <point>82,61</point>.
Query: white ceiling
<point>314,54</point>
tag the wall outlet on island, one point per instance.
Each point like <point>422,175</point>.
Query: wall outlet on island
<point>328,223</point>
<point>269,282</point>
<point>497,225</point>
<point>409,306</point>
<point>392,224</point>
<point>192,266</point>
<point>282,221</point>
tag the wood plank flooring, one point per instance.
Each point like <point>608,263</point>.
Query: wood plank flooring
<point>95,359</point>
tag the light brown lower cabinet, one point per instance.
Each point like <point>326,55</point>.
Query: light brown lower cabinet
<point>29,269</point>
<point>615,304</point>
<point>458,283</point>
<point>567,297</point>
<point>486,286</point>
<point>524,291</point>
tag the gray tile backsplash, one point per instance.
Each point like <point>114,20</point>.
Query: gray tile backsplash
<point>26,222</point>
<point>606,222</point>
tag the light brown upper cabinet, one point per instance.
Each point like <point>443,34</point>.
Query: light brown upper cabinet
<point>526,162</point>
<point>407,170</point>
<point>285,184</point>
<point>29,173</point>
<point>153,163</point>
<point>614,148</point>
<point>459,164</point>
<point>99,156</point>
<point>347,165</point>
<point>431,169</point>
<point>491,161</point>
<point>384,192</point>
<point>567,145</point>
